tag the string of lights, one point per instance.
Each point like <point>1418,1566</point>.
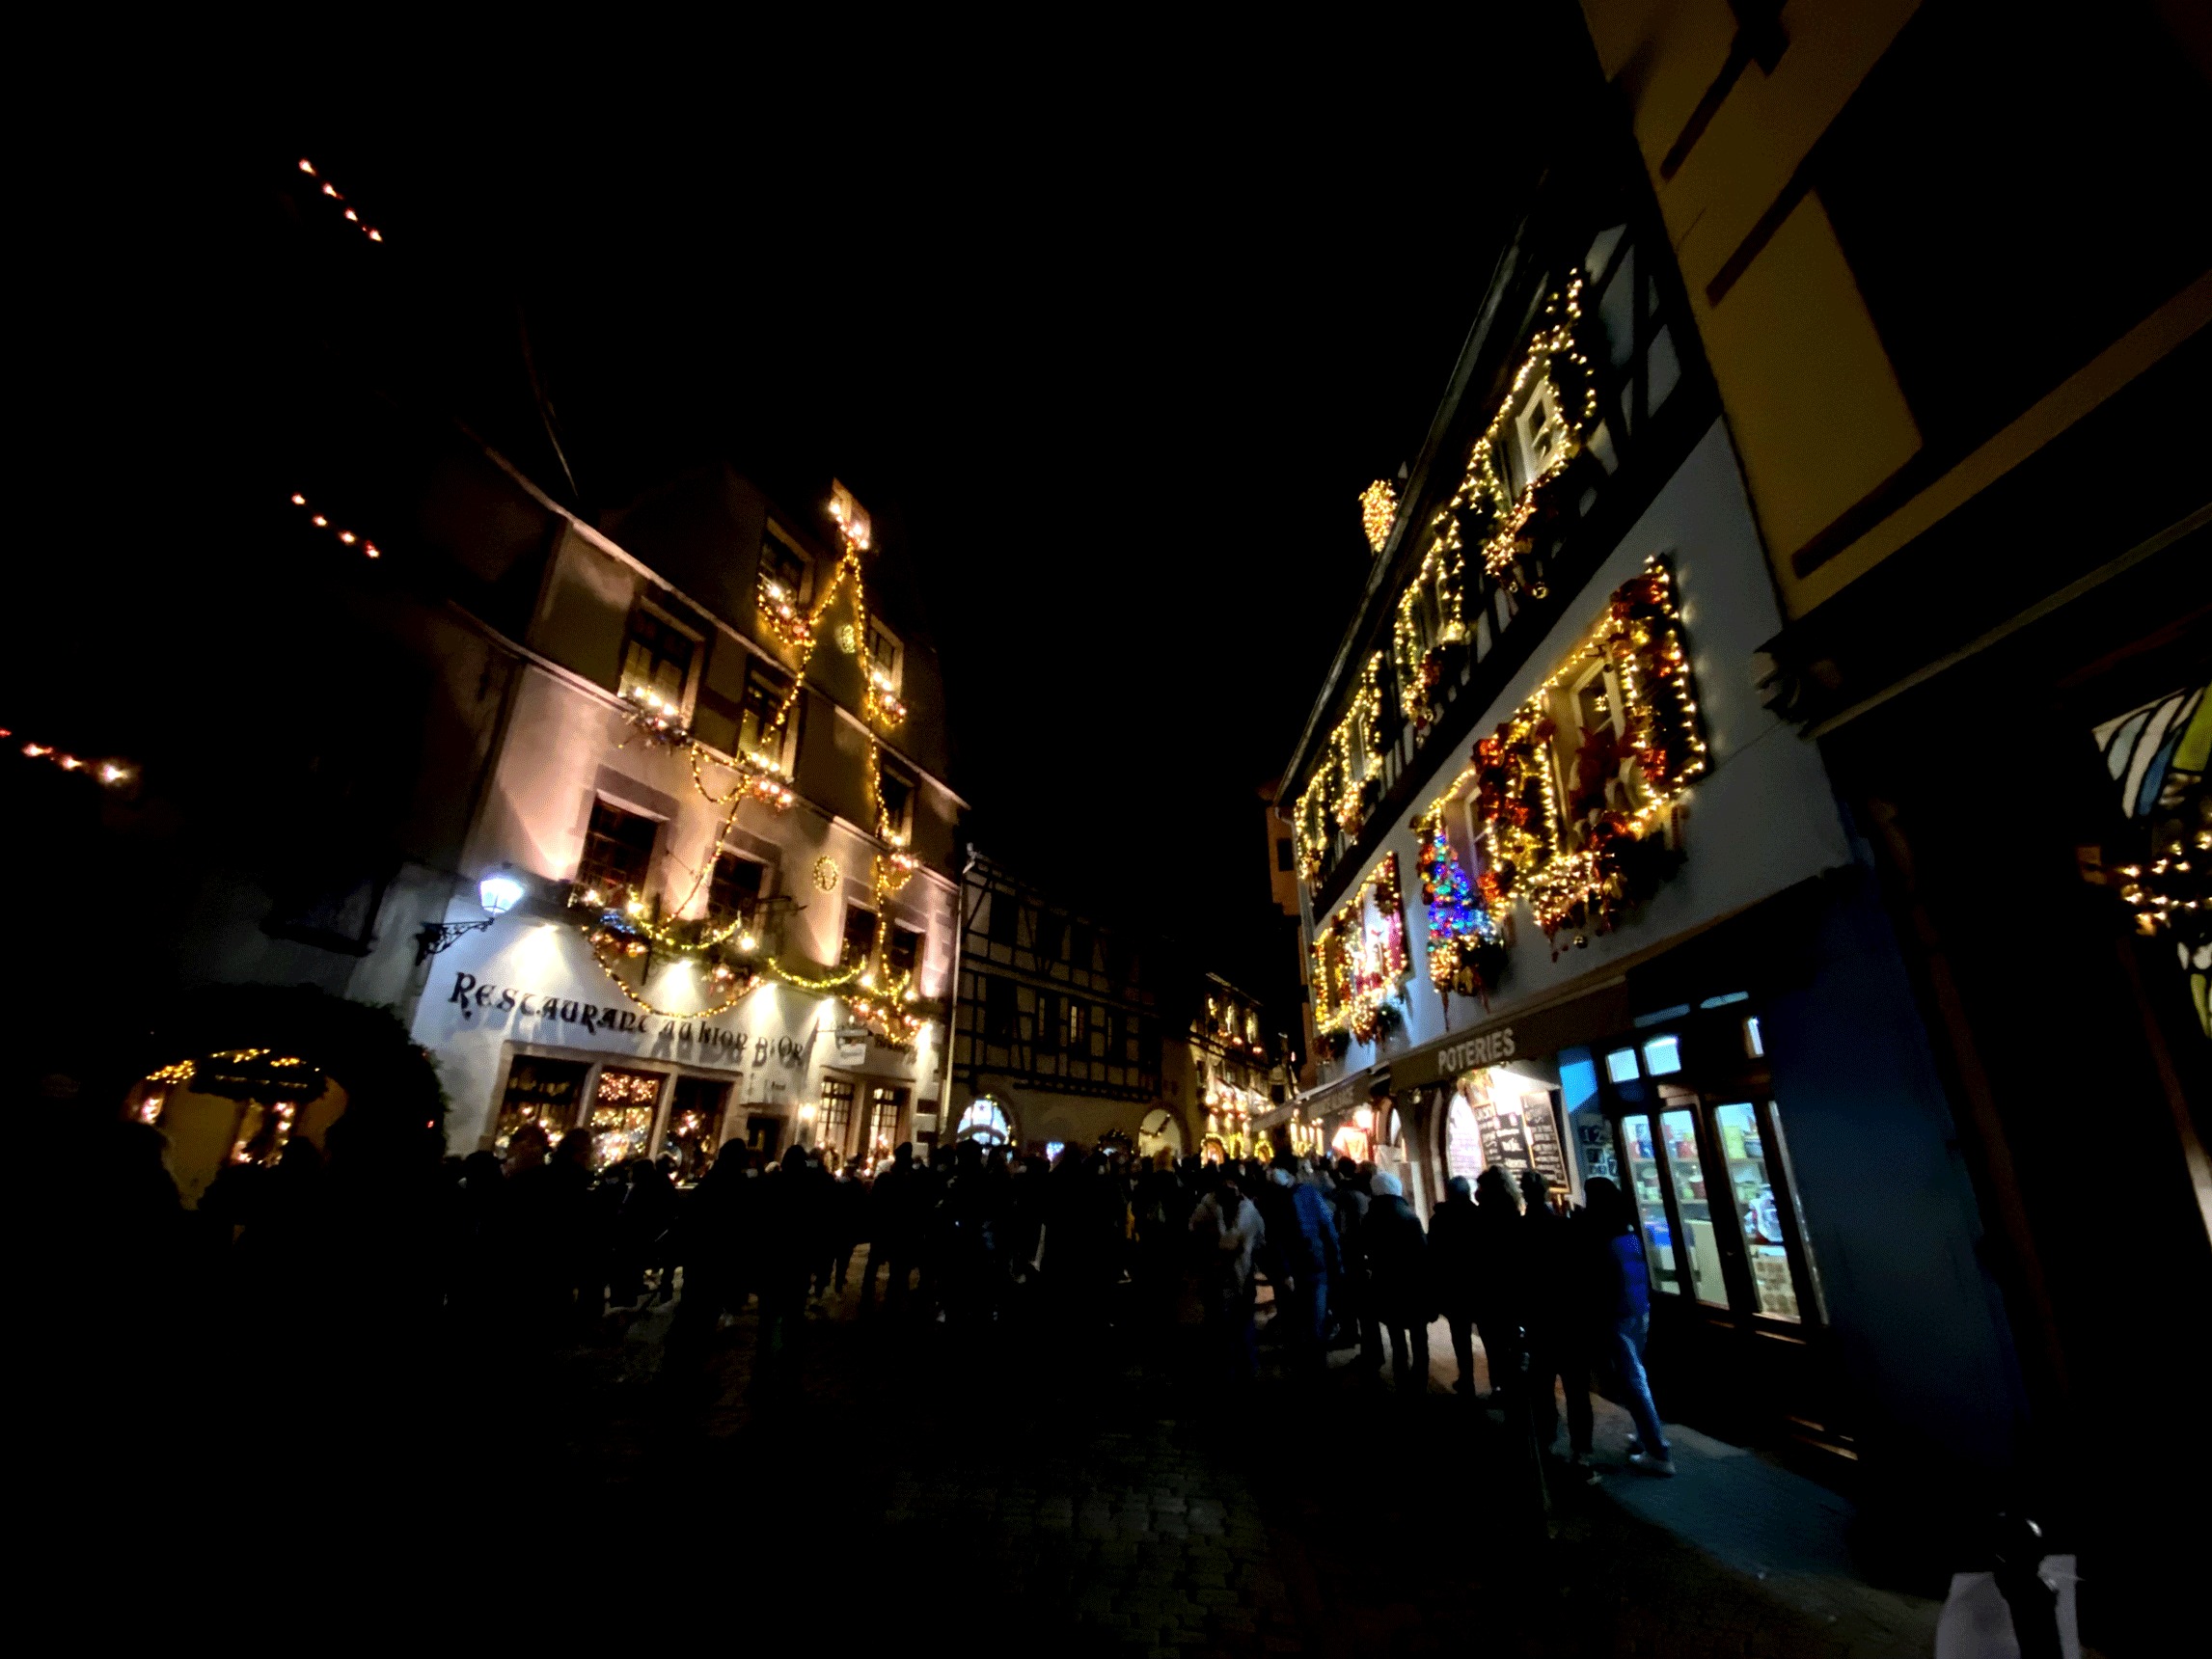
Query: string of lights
<point>1553,397</point>
<point>115,773</point>
<point>352,216</point>
<point>345,537</point>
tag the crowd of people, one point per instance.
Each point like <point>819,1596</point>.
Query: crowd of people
<point>534,1247</point>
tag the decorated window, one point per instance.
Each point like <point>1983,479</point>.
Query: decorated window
<point>761,732</point>
<point>656,660</point>
<point>618,851</point>
<point>734,889</point>
<point>782,595</point>
<point>1360,959</point>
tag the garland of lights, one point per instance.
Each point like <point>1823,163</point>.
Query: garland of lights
<point>1483,509</point>
<point>623,926</point>
<point>1354,984</point>
<point>352,217</point>
<point>1586,864</point>
<point>115,773</point>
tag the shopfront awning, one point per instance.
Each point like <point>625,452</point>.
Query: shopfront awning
<point>1528,1034</point>
<point>1341,1096</point>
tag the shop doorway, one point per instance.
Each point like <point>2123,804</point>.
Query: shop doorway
<point>764,1134</point>
<point>623,1108</point>
<point>1161,1132</point>
<point>886,1111</point>
<point>694,1126</point>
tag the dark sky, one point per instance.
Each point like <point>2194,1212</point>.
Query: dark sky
<point>1115,359</point>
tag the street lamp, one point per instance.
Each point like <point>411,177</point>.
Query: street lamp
<point>499,892</point>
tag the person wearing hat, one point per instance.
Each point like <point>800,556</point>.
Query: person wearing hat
<point>1398,1269</point>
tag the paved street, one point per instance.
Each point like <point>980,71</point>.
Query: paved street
<point>1095,1501</point>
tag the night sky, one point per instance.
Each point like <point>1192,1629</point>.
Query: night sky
<point>1114,363</point>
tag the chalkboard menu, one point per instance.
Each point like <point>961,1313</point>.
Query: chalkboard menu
<point>1522,1135</point>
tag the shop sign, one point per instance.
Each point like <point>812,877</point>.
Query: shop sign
<point>852,1046</point>
<point>564,1017</point>
<point>1539,1032</point>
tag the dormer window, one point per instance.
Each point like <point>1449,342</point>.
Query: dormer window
<point>1541,430</point>
<point>782,594</point>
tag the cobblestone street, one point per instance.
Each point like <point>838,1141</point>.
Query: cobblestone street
<point>1099,1503</point>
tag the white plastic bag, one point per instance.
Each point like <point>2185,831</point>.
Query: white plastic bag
<point>1977,1622</point>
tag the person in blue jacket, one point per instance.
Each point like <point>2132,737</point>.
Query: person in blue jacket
<point>1614,1223</point>
<point>1309,1255</point>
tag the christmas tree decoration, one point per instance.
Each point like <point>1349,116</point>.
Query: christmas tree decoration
<point>1466,941</point>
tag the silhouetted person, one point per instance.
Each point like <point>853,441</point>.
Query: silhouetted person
<point>717,1225</point>
<point>1498,1281</point>
<point>1552,1247</point>
<point>786,1248</point>
<point>1307,1254</point>
<point>1630,1288</point>
<point>1229,1234</point>
<point>848,1219</point>
<point>895,1214</point>
<point>1397,1271</point>
<point>1357,1318</point>
<point>1455,1263</point>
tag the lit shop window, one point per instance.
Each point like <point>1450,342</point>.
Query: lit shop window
<point>1621,1065</point>
<point>1757,1213</point>
<point>985,1122</point>
<point>622,1110</point>
<point>1663,1056</point>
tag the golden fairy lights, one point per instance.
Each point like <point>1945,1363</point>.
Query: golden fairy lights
<point>361,544</point>
<point>1551,404</point>
<point>1360,961</point>
<point>624,926</point>
<point>1571,866</point>
<point>1378,509</point>
<point>331,192</point>
<point>115,773</point>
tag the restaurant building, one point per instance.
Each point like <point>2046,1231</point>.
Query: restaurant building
<point>675,866</point>
<point>724,815</point>
<point>1577,901</point>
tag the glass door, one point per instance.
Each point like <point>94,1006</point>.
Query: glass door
<point>1693,1204</point>
<point>1640,1168</point>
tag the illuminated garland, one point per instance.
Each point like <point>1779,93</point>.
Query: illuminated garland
<point>1585,865</point>
<point>1345,785</point>
<point>1483,510</point>
<point>115,773</point>
<point>352,217</point>
<point>1378,511</point>
<point>345,537</point>
<point>626,926</point>
<point>1354,986</point>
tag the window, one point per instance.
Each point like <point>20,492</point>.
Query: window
<point>885,1107</point>
<point>540,1092</point>
<point>1663,1056</point>
<point>1005,918</point>
<point>904,953</point>
<point>999,1009</point>
<point>734,887</point>
<point>985,1122</point>
<point>1621,1065</point>
<point>782,577</point>
<point>622,1112</point>
<point>896,788</point>
<point>656,658</point>
<point>764,692</point>
<point>618,851</point>
<point>1078,1024</point>
<point>884,658</point>
<point>1284,856</point>
<point>1052,936</point>
<point>859,935</point>
<point>835,1127</point>
<point>1082,946</point>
